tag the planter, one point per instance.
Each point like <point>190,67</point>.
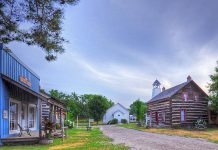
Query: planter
<point>46,141</point>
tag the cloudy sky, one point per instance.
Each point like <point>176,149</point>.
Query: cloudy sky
<point>118,48</point>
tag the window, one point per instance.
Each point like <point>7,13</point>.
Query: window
<point>13,115</point>
<point>185,96</point>
<point>32,116</point>
<point>182,115</point>
<point>195,96</point>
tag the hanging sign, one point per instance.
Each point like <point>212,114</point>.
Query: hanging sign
<point>5,114</point>
<point>25,81</point>
<point>91,120</point>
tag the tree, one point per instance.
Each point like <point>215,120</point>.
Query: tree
<point>68,100</point>
<point>213,89</point>
<point>138,108</point>
<point>34,22</point>
<point>98,105</point>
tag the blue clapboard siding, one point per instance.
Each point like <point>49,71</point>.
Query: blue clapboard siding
<point>14,68</point>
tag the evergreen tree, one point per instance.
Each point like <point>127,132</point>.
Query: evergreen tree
<point>213,89</point>
<point>34,22</point>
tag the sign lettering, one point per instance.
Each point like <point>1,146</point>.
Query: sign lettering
<point>25,81</point>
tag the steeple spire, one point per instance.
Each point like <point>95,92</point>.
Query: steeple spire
<point>156,88</point>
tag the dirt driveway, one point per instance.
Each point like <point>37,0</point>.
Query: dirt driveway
<point>139,140</point>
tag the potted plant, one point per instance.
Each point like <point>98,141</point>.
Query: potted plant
<point>48,127</point>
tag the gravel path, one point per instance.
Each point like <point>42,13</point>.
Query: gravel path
<point>138,140</point>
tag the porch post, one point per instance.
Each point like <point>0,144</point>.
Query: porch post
<point>60,117</point>
<point>28,115</point>
<point>55,109</point>
<point>40,118</point>
<point>50,113</point>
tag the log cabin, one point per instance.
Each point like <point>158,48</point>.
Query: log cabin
<point>179,106</point>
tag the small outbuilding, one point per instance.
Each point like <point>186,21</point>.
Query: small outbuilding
<point>117,111</point>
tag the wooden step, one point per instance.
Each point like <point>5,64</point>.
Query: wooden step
<point>20,141</point>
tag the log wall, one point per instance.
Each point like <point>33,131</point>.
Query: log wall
<point>160,109</point>
<point>194,108</point>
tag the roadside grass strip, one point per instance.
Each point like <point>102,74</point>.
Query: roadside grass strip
<point>210,134</point>
<point>78,139</point>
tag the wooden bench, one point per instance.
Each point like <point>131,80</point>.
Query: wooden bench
<point>88,128</point>
<point>27,130</point>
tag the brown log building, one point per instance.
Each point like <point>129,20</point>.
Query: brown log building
<point>178,106</point>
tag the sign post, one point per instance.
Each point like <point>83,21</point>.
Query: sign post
<point>90,120</point>
<point>77,121</point>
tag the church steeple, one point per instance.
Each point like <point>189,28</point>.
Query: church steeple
<point>156,88</point>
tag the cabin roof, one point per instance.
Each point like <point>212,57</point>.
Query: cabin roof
<point>172,91</point>
<point>169,92</point>
<point>116,105</point>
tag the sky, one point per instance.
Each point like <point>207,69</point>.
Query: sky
<point>117,48</point>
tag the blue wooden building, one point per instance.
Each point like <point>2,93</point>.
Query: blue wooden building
<point>19,96</point>
<point>21,101</point>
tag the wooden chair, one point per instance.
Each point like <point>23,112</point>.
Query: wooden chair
<point>27,130</point>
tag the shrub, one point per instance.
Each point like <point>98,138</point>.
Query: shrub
<point>57,126</point>
<point>123,121</point>
<point>200,124</point>
<point>109,122</point>
<point>114,121</point>
<point>68,123</point>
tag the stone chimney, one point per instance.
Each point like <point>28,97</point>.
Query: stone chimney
<point>163,89</point>
<point>189,78</point>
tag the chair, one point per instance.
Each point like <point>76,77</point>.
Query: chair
<point>27,130</point>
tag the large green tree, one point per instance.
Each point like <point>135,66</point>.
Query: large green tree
<point>97,105</point>
<point>34,22</point>
<point>138,108</point>
<point>213,89</point>
<point>70,101</point>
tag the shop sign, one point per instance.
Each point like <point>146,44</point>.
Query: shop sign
<point>25,81</point>
<point>91,120</point>
<point>5,114</point>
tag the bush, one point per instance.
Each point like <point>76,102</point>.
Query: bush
<point>109,122</point>
<point>114,121</point>
<point>57,126</point>
<point>68,123</point>
<point>123,121</point>
<point>200,124</point>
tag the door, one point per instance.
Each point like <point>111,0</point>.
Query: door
<point>156,117</point>
<point>13,116</point>
<point>119,117</point>
<point>32,116</point>
<point>24,116</point>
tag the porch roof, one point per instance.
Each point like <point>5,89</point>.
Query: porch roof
<point>15,83</point>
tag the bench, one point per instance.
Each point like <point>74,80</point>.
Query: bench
<point>89,128</point>
<point>27,130</point>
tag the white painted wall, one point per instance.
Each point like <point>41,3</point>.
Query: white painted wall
<point>117,111</point>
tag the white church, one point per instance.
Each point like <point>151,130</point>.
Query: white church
<point>117,111</point>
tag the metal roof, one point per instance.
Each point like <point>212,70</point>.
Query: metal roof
<point>169,92</point>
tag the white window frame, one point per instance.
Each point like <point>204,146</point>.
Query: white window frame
<point>19,114</point>
<point>35,119</point>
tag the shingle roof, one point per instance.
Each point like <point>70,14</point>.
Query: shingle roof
<point>169,92</point>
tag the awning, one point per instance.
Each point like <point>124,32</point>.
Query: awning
<point>11,81</point>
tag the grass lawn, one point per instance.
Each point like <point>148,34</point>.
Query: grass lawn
<point>210,134</point>
<point>77,139</point>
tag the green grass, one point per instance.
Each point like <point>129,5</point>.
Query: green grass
<point>79,139</point>
<point>210,134</point>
